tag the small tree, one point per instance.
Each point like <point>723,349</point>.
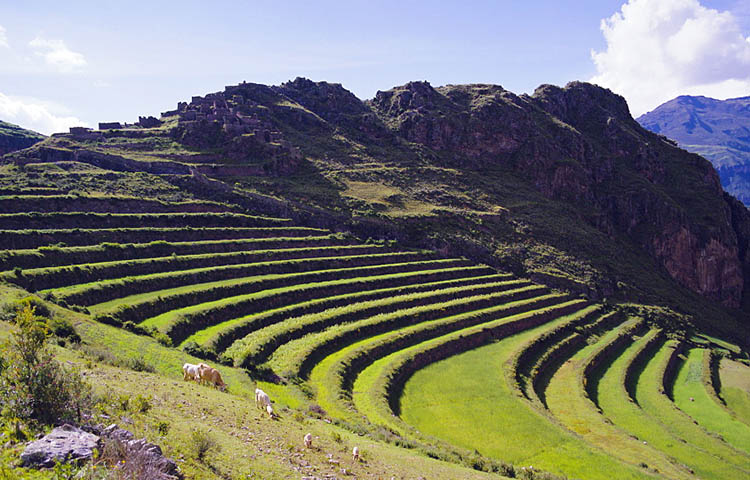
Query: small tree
<point>33,385</point>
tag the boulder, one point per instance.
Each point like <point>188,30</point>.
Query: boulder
<point>151,460</point>
<point>65,443</point>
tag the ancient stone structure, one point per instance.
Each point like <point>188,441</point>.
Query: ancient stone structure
<point>149,122</point>
<point>109,125</point>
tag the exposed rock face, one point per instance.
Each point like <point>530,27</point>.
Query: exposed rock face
<point>336,105</point>
<point>151,462</point>
<point>66,443</point>
<point>580,144</point>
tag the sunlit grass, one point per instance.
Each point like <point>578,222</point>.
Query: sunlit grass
<point>691,396</point>
<point>620,409</point>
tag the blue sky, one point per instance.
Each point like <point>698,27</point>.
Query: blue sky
<point>64,63</point>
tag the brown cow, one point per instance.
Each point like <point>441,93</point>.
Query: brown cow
<point>212,376</point>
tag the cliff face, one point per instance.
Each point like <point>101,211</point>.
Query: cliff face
<point>580,144</point>
<point>13,137</point>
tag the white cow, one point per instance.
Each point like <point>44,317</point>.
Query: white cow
<point>308,440</point>
<point>191,372</point>
<point>355,454</point>
<point>261,398</point>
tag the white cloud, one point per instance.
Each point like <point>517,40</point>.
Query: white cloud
<point>35,115</point>
<point>3,38</point>
<point>56,54</point>
<point>659,49</point>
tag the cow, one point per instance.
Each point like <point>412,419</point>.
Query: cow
<point>308,440</point>
<point>212,376</point>
<point>355,454</point>
<point>261,398</point>
<point>191,372</point>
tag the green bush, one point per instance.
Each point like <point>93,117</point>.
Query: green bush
<point>140,404</point>
<point>201,444</point>
<point>33,386</point>
<point>140,365</point>
<point>64,329</point>
<point>40,309</point>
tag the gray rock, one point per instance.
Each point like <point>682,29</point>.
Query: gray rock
<point>66,443</point>
<point>149,454</point>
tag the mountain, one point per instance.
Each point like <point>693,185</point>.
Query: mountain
<point>719,130</point>
<point>13,137</point>
<point>563,185</point>
<point>377,267</point>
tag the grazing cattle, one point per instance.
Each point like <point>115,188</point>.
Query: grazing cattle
<point>355,454</point>
<point>261,398</point>
<point>191,372</point>
<point>212,376</point>
<point>269,409</point>
<point>308,440</point>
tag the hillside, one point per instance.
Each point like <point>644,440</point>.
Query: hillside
<point>719,130</point>
<point>13,137</point>
<point>550,185</point>
<point>411,275</point>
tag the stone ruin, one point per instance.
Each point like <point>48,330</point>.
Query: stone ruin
<point>236,114</point>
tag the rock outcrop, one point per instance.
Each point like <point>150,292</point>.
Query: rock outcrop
<point>142,459</point>
<point>63,444</point>
<point>580,144</point>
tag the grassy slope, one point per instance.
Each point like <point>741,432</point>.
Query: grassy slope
<point>620,409</point>
<point>691,396</point>
<point>735,388</point>
<point>252,445</point>
<point>567,400</point>
<point>651,397</point>
<point>466,400</point>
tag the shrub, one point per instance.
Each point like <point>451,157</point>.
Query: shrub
<point>192,348</point>
<point>201,444</point>
<point>162,427</point>
<point>64,329</point>
<point>140,365</point>
<point>40,309</point>
<point>162,338</point>
<point>33,385</point>
<point>135,328</point>
<point>108,319</point>
<point>140,404</point>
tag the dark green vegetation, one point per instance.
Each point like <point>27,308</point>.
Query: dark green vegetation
<point>718,130</point>
<point>512,246</point>
<point>13,137</point>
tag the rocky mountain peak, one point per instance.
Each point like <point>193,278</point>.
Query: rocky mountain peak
<point>583,104</point>
<point>325,99</point>
<point>412,96</point>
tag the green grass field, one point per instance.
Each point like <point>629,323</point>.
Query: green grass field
<point>467,401</point>
<point>567,400</point>
<point>690,395</point>
<point>617,406</point>
<point>652,398</point>
<point>735,388</point>
<point>251,446</point>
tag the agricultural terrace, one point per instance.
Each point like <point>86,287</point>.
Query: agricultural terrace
<point>452,359</point>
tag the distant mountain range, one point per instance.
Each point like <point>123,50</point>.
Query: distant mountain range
<point>13,137</point>
<point>719,130</point>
